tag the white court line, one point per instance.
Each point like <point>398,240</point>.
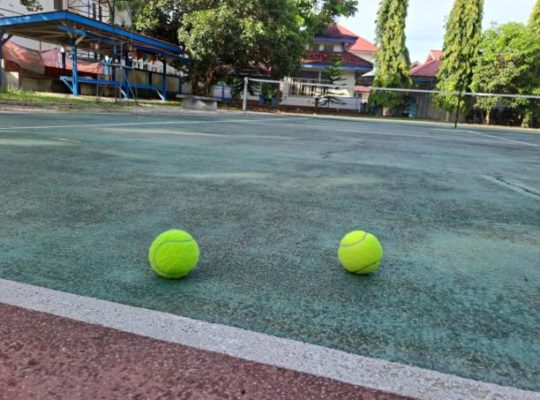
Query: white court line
<point>367,372</point>
<point>225,121</point>
<point>426,136</point>
<point>503,139</point>
<point>263,120</point>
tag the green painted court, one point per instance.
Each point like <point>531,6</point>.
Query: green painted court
<point>268,198</point>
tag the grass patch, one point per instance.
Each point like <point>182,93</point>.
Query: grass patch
<point>29,97</point>
<point>25,97</point>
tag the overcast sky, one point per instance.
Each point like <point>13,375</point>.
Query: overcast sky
<point>426,18</point>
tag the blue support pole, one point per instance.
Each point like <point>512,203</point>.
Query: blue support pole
<point>74,69</point>
<point>164,81</point>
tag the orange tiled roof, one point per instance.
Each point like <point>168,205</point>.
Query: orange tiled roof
<point>362,44</point>
<point>435,54</point>
<point>430,67</point>
<point>337,31</point>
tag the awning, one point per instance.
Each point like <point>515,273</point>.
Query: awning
<point>63,27</point>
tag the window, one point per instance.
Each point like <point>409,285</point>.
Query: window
<point>329,47</point>
<point>58,4</point>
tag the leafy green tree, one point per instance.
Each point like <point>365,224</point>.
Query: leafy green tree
<point>460,51</point>
<point>315,15</point>
<point>509,63</point>
<point>224,37</point>
<point>252,35</point>
<point>534,20</point>
<point>158,18</point>
<point>333,74</point>
<point>32,5</point>
<point>392,63</point>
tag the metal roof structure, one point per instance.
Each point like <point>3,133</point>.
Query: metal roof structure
<point>76,32</point>
<point>62,27</point>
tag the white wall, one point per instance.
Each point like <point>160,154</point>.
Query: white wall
<point>366,55</point>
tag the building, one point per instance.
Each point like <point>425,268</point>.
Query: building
<point>41,62</point>
<point>424,76</point>
<point>356,53</point>
<point>95,9</point>
<point>75,48</point>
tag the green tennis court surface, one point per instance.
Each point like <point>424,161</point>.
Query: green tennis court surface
<point>268,198</point>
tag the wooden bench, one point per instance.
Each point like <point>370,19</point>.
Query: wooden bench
<point>199,103</point>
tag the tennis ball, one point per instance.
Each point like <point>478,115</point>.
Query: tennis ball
<point>174,254</point>
<point>360,252</point>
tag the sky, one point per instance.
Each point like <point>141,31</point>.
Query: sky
<point>426,19</point>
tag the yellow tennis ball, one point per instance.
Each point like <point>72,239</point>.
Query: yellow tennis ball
<point>360,252</point>
<point>174,254</point>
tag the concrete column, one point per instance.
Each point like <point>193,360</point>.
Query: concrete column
<point>164,81</point>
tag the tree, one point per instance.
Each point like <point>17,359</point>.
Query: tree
<point>460,51</point>
<point>253,35</point>
<point>509,63</point>
<point>392,63</point>
<point>158,18</point>
<point>32,5</point>
<point>224,37</point>
<point>534,20</point>
<point>333,74</point>
<point>315,15</point>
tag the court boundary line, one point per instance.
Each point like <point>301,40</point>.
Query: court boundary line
<point>428,135</point>
<point>501,138</point>
<point>307,358</point>
<point>280,118</point>
<point>436,124</point>
<point>147,123</point>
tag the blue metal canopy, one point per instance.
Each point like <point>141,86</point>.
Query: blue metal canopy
<point>60,27</point>
<point>76,32</point>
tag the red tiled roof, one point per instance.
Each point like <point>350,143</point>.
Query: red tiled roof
<point>362,44</point>
<point>325,58</point>
<point>435,54</point>
<point>430,67</point>
<point>338,31</point>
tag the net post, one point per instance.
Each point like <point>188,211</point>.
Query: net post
<point>244,100</point>
<point>460,95</point>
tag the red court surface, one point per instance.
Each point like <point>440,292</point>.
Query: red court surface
<point>48,357</point>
